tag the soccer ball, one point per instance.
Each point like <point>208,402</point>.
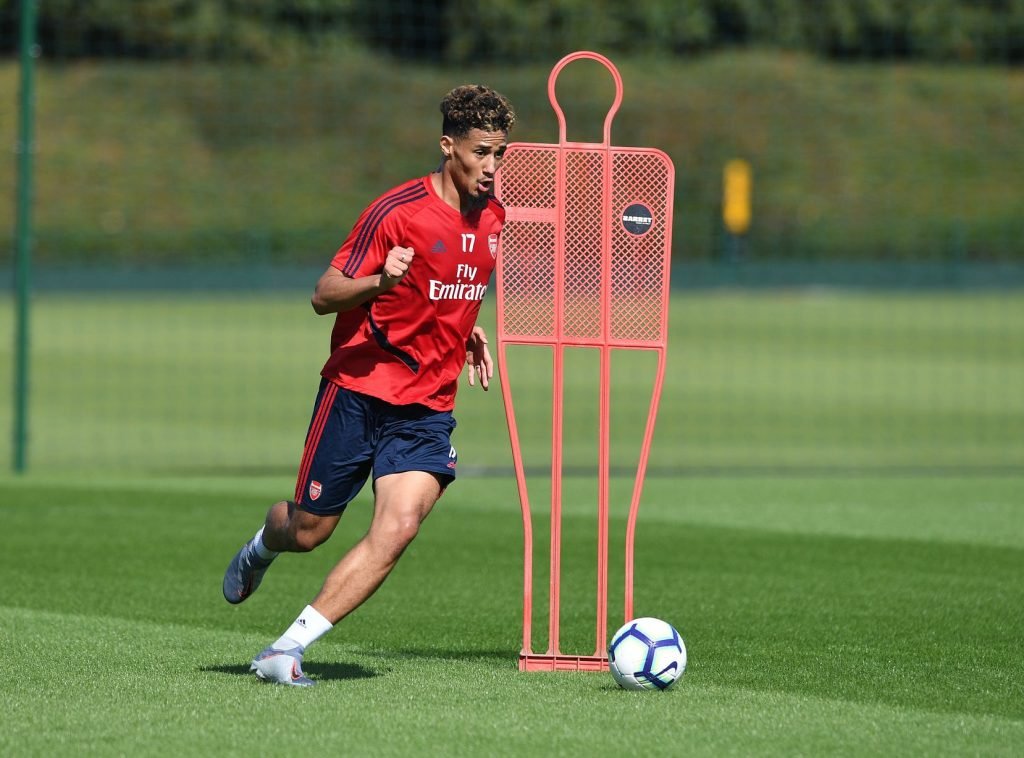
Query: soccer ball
<point>647,654</point>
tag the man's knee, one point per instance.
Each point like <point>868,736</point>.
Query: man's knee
<point>403,501</point>
<point>402,530</point>
<point>391,533</point>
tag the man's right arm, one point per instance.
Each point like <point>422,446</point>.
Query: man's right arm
<point>337,292</point>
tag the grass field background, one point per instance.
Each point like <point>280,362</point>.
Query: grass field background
<point>802,379</point>
<point>822,616</point>
<point>834,520</point>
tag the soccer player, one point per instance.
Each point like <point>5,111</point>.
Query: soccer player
<point>406,287</point>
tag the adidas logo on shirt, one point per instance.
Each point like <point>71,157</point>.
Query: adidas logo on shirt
<point>439,247</point>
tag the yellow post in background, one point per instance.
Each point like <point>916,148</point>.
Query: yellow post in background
<point>737,186</point>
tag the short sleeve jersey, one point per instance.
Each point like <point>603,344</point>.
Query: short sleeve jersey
<point>408,344</point>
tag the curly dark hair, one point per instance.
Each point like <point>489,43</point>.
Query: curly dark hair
<point>474,106</point>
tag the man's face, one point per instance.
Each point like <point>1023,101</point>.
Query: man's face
<point>474,160</point>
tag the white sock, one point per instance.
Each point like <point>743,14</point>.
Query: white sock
<point>306,629</point>
<point>261,549</point>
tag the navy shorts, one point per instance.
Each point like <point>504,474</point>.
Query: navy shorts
<point>352,434</point>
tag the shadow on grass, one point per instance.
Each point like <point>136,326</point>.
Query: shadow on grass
<point>322,671</point>
<point>471,656</point>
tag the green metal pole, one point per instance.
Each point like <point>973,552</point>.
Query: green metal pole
<point>24,147</point>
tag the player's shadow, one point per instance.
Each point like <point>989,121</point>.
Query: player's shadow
<point>349,671</point>
<point>321,671</point>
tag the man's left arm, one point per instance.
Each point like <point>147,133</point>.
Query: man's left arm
<point>478,358</point>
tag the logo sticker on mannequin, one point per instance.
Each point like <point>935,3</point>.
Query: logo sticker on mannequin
<point>637,219</point>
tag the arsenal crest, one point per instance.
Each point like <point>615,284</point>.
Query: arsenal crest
<point>492,244</point>
<point>315,489</point>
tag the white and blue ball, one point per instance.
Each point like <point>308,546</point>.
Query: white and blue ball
<point>647,654</point>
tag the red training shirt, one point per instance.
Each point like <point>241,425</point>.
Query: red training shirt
<point>408,345</point>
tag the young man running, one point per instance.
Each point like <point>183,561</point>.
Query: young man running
<point>406,287</point>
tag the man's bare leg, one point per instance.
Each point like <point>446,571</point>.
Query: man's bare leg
<point>286,529</point>
<point>402,502</point>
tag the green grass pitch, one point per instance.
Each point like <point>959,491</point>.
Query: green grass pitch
<point>833,521</point>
